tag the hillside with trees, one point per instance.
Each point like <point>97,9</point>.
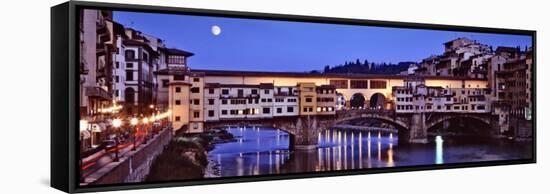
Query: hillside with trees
<point>366,67</point>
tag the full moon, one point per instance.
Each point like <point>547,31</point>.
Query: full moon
<point>216,30</point>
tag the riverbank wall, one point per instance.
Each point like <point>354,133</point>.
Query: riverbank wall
<point>133,167</point>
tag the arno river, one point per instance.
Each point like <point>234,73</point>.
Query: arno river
<point>265,151</point>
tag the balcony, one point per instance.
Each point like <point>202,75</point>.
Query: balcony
<point>96,91</point>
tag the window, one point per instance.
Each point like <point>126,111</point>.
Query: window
<point>179,77</point>
<point>196,79</point>
<point>210,113</point>
<point>279,99</point>
<point>178,102</point>
<point>165,83</point>
<point>211,101</point>
<point>175,59</point>
<point>145,57</point>
<point>279,110</point>
<point>481,107</point>
<point>240,93</point>
<point>290,109</point>
<point>117,93</point>
<point>129,65</point>
<point>309,99</point>
<point>291,100</point>
<point>224,112</point>
<point>266,110</point>
<point>130,54</point>
<point>129,75</point>
<point>339,84</point>
<point>305,109</point>
<point>195,90</point>
<point>178,118</point>
<point>211,91</point>
<point>117,79</point>
<point>266,91</point>
<point>359,84</point>
<point>196,101</point>
<point>196,114</point>
<point>225,91</point>
<point>254,91</point>
<point>178,89</point>
<point>377,84</point>
<point>117,65</point>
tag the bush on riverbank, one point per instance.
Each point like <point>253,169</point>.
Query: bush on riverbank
<point>183,158</point>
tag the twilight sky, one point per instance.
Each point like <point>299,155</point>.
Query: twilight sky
<point>265,45</point>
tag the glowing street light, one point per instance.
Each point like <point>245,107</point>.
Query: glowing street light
<point>117,123</point>
<point>133,121</point>
<point>145,120</point>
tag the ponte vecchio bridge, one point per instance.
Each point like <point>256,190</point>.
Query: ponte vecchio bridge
<point>412,126</point>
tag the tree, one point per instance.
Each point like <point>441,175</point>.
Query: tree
<point>327,69</point>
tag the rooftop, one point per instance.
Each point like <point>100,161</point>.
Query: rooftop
<point>175,51</point>
<point>233,73</point>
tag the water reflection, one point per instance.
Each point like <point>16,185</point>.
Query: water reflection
<point>438,150</point>
<point>259,151</point>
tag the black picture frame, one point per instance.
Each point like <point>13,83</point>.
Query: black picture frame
<point>64,92</point>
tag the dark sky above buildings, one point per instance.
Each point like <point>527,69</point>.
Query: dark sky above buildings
<point>265,45</point>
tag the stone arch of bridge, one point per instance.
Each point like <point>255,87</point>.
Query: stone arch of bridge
<point>401,126</point>
<point>440,119</point>
<point>386,119</point>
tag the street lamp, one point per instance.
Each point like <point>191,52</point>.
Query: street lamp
<point>116,123</point>
<point>145,122</point>
<point>134,122</point>
<point>83,126</point>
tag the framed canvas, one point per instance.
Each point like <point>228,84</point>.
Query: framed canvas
<point>146,96</point>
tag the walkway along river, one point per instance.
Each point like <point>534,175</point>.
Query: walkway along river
<point>261,151</point>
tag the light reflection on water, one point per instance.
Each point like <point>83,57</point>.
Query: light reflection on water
<point>260,151</point>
